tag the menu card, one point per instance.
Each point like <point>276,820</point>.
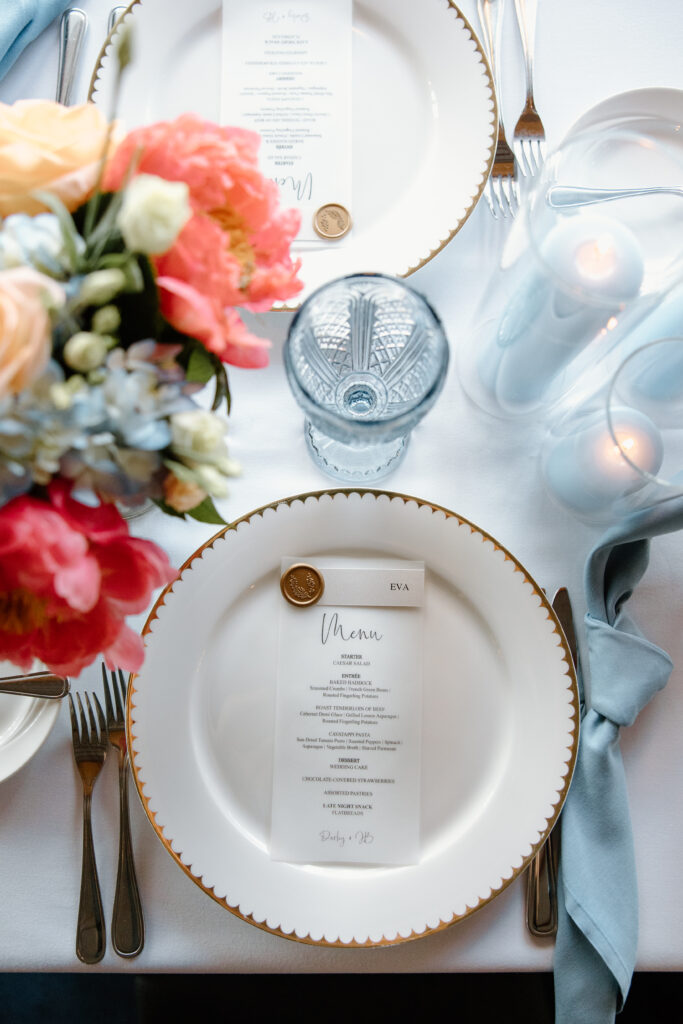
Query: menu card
<point>287,75</point>
<point>346,774</point>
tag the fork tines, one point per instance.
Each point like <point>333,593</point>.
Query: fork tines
<point>115,708</point>
<point>502,189</point>
<point>530,137</point>
<point>89,734</point>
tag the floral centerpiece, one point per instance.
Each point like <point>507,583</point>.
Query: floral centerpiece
<point>123,260</point>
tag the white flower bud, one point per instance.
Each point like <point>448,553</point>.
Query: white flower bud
<point>198,434</point>
<point>101,286</point>
<point>106,320</point>
<point>85,351</point>
<point>152,213</point>
<point>211,481</point>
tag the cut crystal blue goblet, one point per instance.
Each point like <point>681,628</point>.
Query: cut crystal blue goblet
<point>366,358</point>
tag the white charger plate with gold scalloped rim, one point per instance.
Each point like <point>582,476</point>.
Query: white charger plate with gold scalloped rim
<point>500,721</point>
<point>423,113</point>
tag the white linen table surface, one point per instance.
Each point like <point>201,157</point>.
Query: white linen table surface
<point>482,468</point>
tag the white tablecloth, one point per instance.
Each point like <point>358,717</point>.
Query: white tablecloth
<point>482,468</point>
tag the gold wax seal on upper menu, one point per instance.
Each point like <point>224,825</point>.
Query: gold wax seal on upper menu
<point>302,584</point>
<point>332,221</point>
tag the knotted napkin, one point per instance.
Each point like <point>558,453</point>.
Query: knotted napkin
<point>597,932</point>
<point>21,21</point>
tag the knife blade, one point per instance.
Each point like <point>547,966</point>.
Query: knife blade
<point>563,610</point>
<point>541,907</point>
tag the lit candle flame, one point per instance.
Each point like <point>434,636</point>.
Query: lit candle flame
<point>597,258</point>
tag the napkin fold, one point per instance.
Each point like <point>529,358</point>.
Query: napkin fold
<point>597,935</point>
<point>21,21</point>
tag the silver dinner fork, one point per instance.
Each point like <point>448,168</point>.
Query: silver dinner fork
<point>114,15</point>
<point>90,750</point>
<point>127,925</point>
<point>529,134</point>
<point>502,188</point>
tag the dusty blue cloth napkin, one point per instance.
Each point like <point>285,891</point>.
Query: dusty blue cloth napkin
<point>21,21</point>
<point>597,933</point>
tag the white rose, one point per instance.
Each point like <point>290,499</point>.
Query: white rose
<point>198,435</point>
<point>152,213</point>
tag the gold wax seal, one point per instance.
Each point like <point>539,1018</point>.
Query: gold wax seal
<point>332,221</point>
<point>302,584</point>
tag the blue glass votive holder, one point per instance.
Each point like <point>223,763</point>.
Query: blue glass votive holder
<point>620,449</point>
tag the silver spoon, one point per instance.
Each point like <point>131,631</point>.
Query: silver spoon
<point>71,34</point>
<point>37,684</point>
<point>561,197</point>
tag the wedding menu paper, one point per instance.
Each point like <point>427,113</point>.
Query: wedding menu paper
<point>346,772</point>
<point>287,75</point>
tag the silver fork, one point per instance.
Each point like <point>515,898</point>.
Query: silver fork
<point>502,189</point>
<point>114,15</point>
<point>90,751</point>
<point>529,133</point>
<point>127,925</point>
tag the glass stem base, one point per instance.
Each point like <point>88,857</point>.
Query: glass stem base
<point>354,463</point>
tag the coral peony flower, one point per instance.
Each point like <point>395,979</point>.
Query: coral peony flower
<point>234,250</point>
<point>69,574</point>
<point>218,327</point>
<point>44,145</point>
<point>25,344</point>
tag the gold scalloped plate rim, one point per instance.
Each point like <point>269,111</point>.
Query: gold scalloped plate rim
<point>474,199</point>
<point>515,872</point>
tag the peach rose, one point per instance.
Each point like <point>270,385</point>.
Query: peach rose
<point>44,145</point>
<point>25,296</point>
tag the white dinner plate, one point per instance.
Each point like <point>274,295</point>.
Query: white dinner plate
<point>25,723</point>
<point>424,119</point>
<point>637,103</point>
<point>500,716</point>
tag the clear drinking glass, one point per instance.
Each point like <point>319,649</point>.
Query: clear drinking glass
<point>620,449</point>
<point>366,358</point>
<point>575,280</point>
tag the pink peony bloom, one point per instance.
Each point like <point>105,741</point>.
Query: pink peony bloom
<point>69,574</point>
<point>235,249</point>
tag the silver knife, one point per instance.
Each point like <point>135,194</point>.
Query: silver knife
<point>37,684</point>
<point>541,903</point>
<point>71,34</point>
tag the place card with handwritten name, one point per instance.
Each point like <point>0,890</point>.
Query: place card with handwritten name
<point>348,724</point>
<point>286,74</point>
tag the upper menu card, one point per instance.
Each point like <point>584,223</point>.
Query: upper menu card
<point>287,75</point>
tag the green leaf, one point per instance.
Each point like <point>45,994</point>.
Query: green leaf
<point>222,386</point>
<point>200,367</point>
<point>161,504</point>
<point>102,234</point>
<point>206,512</point>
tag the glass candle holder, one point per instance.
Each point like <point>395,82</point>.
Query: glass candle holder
<point>366,358</point>
<point>575,280</point>
<point>621,448</point>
